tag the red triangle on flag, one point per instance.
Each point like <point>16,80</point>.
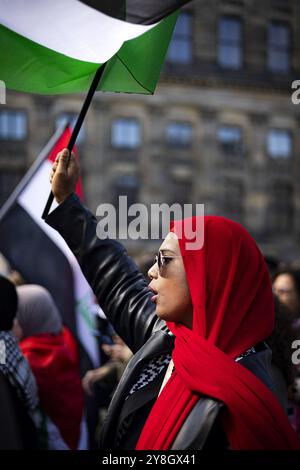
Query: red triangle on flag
<point>60,145</point>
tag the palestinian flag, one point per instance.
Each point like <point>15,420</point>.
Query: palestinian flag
<point>56,46</point>
<point>41,255</point>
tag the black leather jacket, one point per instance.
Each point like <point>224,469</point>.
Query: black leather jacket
<point>125,298</point>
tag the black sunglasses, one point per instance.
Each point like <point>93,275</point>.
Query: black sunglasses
<point>163,260</point>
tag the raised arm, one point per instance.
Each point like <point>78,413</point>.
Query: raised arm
<point>121,290</point>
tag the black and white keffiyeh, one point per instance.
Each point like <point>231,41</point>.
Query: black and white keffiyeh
<point>150,372</point>
<point>17,370</point>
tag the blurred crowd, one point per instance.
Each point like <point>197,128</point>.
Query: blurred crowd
<point>48,400</point>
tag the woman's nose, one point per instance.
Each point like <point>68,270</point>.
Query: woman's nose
<point>153,271</point>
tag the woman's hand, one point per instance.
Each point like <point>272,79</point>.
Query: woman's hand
<point>64,175</point>
<point>93,376</point>
<point>117,352</point>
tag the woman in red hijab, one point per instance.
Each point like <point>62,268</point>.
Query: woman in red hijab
<point>52,354</point>
<point>212,308</point>
<point>226,307</point>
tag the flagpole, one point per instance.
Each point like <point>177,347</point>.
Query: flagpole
<point>77,126</point>
<point>32,170</point>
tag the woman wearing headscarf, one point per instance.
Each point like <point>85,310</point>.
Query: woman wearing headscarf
<point>231,311</point>
<point>18,391</point>
<point>200,376</point>
<point>52,354</point>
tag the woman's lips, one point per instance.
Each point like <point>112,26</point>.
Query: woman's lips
<point>154,297</point>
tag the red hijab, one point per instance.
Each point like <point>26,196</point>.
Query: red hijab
<point>233,310</point>
<point>55,364</point>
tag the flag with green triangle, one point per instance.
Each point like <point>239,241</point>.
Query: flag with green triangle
<point>56,46</point>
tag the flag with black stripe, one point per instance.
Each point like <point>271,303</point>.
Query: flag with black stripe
<point>41,255</point>
<point>56,46</point>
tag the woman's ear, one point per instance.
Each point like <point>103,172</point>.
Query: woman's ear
<point>17,330</point>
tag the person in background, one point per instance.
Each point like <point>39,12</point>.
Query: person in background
<point>283,370</point>
<point>118,352</point>
<point>286,285</point>
<point>52,354</point>
<point>100,383</point>
<point>19,415</point>
<point>119,355</point>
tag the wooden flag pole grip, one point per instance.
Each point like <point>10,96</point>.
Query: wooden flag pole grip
<point>77,127</point>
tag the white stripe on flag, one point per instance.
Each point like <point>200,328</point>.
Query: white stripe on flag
<point>69,27</point>
<point>32,199</point>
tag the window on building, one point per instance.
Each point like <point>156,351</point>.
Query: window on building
<point>230,50</point>
<point>13,125</point>
<point>179,134</point>
<point>8,181</point>
<point>230,140</point>
<point>279,47</point>
<point>181,191</point>
<point>126,133</point>
<point>279,144</point>
<point>126,185</point>
<point>283,6</point>
<point>181,46</point>
<point>71,118</point>
<point>281,210</point>
<point>233,199</point>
